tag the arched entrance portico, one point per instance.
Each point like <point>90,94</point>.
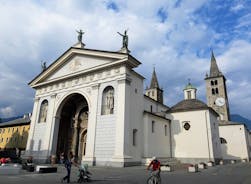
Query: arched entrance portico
<point>73,125</point>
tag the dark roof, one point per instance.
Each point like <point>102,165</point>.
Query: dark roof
<point>154,81</point>
<point>190,105</point>
<point>19,121</point>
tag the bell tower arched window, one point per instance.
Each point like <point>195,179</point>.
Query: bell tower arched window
<point>43,111</point>
<point>213,92</point>
<point>107,101</point>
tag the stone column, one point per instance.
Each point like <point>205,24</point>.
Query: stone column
<point>122,122</point>
<point>30,139</point>
<point>91,127</point>
<point>54,135</point>
<point>50,126</point>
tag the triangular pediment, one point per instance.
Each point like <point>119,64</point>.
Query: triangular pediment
<point>76,61</point>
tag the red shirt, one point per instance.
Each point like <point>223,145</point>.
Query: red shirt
<point>155,165</point>
<point>3,160</point>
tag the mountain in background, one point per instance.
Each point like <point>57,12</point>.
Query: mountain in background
<point>240,119</point>
<point>9,119</point>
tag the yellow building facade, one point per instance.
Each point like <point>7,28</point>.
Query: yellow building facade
<point>14,134</point>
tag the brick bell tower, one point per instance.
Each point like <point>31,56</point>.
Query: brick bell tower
<point>216,91</point>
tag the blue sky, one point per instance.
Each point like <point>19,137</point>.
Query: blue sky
<point>174,36</point>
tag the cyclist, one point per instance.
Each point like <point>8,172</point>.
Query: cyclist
<point>154,166</point>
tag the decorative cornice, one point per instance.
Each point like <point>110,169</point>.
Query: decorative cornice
<point>36,99</point>
<point>78,81</point>
<point>126,80</point>
<point>96,86</point>
<point>107,67</point>
<point>53,95</point>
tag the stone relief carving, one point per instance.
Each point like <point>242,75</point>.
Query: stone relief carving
<point>76,64</point>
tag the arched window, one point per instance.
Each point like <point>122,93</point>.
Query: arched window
<point>223,141</point>
<point>212,83</point>
<point>43,111</point>
<point>107,101</point>
<point>189,95</point>
<point>213,92</point>
<point>216,91</point>
<point>134,137</point>
<point>216,82</point>
<point>165,129</point>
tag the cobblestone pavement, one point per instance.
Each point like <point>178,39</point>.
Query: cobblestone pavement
<point>239,173</point>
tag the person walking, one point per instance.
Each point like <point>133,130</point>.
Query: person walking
<point>67,165</point>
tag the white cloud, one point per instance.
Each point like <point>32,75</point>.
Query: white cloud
<point>179,47</point>
<point>7,112</point>
<point>237,7</point>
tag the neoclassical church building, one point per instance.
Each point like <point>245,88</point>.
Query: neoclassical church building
<point>92,103</point>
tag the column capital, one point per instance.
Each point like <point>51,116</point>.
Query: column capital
<point>125,81</point>
<point>36,99</point>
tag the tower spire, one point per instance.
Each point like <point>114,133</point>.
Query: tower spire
<point>214,70</point>
<point>154,81</point>
<point>154,91</point>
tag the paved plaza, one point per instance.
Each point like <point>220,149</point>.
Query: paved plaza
<point>239,173</point>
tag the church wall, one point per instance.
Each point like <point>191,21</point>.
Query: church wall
<point>38,141</point>
<point>135,118</point>
<point>249,141</point>
<point>195,144</point>
<point>47,132</point>
<point>237,145</point>
<point>215,135</point>
<point>106,127</point>
<point>128,120</point>
<point>154,105</point>
<point>156,137</point>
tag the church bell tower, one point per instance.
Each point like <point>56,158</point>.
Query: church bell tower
<point>216,91</point>
<point>154,91</point>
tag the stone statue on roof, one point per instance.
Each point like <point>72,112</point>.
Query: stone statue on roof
<point>125,39</point>
<point>43,65</point>
<point>80,33</point>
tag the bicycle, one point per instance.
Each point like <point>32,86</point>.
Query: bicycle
<point>154,178</point>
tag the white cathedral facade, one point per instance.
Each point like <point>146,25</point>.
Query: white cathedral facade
<point>92,103</point>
